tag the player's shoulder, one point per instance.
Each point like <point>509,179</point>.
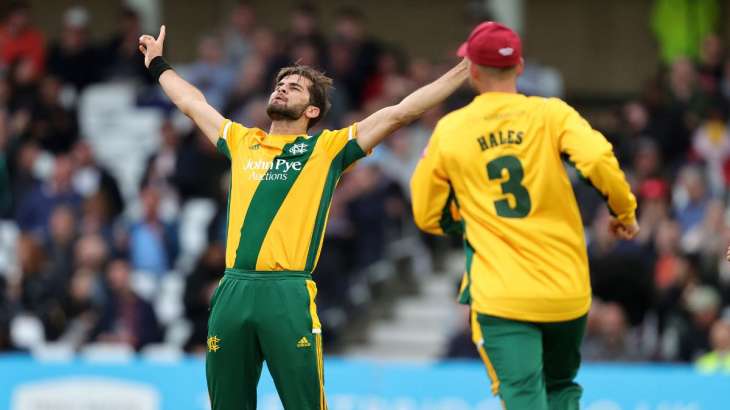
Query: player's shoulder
<point>556,105</point>
<point>230,127</point>
<point>454,119</point>
<point>349,131</point>
<point>456,115</point>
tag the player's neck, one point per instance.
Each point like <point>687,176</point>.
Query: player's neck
<point>282,127</point>
<point>498,87</point>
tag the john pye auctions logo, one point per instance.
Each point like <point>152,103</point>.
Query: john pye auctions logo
<point>280,168</point>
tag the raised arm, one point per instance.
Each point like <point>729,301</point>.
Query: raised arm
<point>184,95</point>
<point>382,123</point>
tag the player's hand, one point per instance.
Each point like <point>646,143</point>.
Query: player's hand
<point>465,66</point>
<point>151,47</point>
<point>727,254</point>
<point>623,231</point>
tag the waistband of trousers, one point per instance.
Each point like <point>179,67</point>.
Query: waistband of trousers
<point>262,275</point>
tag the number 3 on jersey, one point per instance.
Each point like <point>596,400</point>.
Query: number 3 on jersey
<point>512,186</point>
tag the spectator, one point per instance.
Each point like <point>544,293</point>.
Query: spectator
<point>669,267</point>
<point>60,243</point>
<point>161,165</point>
<point>210,73</point>
<point>647,161</point>
<point>249,85</point>
<point>20,41</point>
<point>35,207</point>
<point>691,203</point>
<point>91,179</point>
<point>53,126</point>
<point>41,292</point>
<point>126,318</point>
<point>305,52</point>
<point>350,32</point>
<point>342,64</point>
<point>376,209</point>
<point>608,337</point>
<point>153,243</point>
<point>711,143</point>
<point>687,335</point>
<point>120,57</point>
<point>718,359</point>
<point>686,106</point>
<point>387,77</point>
<point>267,49</point>
<point>637,129</point>
<point>238,36</point>
<point>199,166</point>
<point>706,241</point>
<point>654,204</point>
<point>304,26</point>
<point>23,94</point>
<point>80,308</point>
<point>72,58</point>
<point>710,64</point>
<point>22,169</point>
<point>91,256</point>
<point>96,220</point>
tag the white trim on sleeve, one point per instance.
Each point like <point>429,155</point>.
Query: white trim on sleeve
<point>225,130</point>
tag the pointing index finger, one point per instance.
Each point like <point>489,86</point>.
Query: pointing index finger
<point>161,37</point>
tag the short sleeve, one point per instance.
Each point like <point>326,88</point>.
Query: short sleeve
<point>342,146</point>
<point>230,137</point>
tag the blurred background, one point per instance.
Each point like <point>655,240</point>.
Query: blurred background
<point>112,204</point>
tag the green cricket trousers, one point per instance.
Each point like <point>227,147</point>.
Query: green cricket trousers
<point>271,316</point>
<point>532,365</point>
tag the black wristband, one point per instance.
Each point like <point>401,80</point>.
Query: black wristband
<point>158,65</point>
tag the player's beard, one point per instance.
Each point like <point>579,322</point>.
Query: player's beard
<point>282,112</point>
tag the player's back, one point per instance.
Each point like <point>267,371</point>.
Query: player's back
<point>502,156</point>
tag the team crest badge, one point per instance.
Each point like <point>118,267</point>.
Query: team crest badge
<point>213,345</point>
<point>298,149</point>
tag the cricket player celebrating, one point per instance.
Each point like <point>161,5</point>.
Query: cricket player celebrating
<point>498,164</point>
<point>281,189</point>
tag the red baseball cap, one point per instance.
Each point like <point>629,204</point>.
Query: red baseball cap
<point>493,45</point>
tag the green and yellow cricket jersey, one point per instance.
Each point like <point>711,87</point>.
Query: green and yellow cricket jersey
<point>500,161</point>
<point>281,189</point>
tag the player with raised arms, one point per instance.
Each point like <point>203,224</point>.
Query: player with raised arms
<point>281,189</point>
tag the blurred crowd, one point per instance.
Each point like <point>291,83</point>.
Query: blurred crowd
<point>665,296</point>
<point>81,240</point>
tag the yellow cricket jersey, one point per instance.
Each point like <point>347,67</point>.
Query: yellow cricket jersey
<point>281,190</point>
<point>499,160</point>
